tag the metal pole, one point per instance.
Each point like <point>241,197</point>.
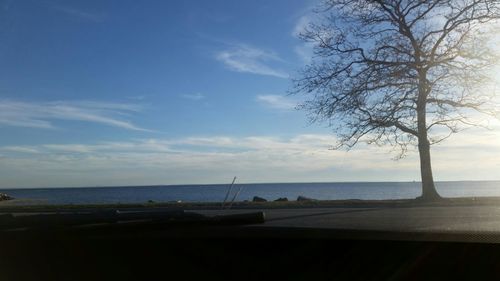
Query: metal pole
<point>234,198</point>
<point>227,194</point>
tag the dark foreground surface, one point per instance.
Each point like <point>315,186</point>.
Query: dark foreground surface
<point>410,242</point>
<point>457,223</point>
<point>151,257</point>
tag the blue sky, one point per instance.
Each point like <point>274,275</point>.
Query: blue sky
<point>195,67</point>
<point>166,92</point>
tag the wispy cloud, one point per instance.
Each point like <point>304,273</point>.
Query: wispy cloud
<point>42,114</point>
<point>300,25</point>
<point>304,50</point>
<point>20,149</point>
<point>194,97</point>
<point>184,160</point>
<point>214,159</point>
<point>244,58</point>
<point>277,101</point>
<point>85,15</point>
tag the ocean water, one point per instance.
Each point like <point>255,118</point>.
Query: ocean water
<point>216,193</point>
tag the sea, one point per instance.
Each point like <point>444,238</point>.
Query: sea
<point>241,192</point>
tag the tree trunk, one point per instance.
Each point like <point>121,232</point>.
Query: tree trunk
<point>429,192</point>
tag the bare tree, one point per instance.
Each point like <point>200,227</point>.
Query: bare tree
<point>400,72</point>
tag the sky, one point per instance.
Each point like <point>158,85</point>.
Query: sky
<point>93,93</point>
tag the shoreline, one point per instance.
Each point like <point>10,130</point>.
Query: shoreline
<point>27,205</point>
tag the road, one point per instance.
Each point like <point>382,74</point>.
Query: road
<point>459,219</point>
<point>475,222</point>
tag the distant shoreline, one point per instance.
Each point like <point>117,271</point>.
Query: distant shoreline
<point>27,205</point>
<point>323,194</point>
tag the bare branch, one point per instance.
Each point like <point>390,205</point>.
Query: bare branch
<point>388,71</point>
